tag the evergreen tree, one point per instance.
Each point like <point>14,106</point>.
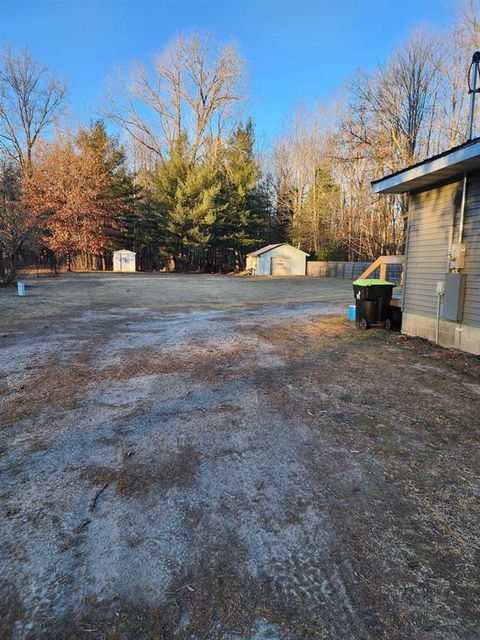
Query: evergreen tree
<point>208,213</point>
<point>127,227</point>
<point>190,223</point>
<point>265,225</point>
<point>169,173</point>
<point>187,204</point>
<point>234,227</point>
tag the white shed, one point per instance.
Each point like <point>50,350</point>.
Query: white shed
<point>277,260</point>
<point>124,260</point>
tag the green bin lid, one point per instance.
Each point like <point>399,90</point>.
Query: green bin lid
<point>371,281</point>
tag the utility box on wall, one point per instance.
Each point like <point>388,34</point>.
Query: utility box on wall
<point>456,255</point>
<point>453,298</point>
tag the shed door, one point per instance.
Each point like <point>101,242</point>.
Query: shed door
<point>124,261</point>
<point>281,267</point>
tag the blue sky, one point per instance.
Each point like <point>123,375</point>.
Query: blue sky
<point>296,51</point>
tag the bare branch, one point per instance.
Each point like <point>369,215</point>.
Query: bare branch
<point>30,98</point>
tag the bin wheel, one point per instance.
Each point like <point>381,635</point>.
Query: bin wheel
<point>363,324</point>
<point>388,324</point>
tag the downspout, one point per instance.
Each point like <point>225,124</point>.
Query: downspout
<point>405,252</point>
<point>437,330</point>
<point>461,222</point>
<point>472,90</point>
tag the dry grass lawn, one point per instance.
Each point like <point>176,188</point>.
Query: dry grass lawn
<point>206,457</point>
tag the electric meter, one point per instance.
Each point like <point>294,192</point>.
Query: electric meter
<point>456,255</point>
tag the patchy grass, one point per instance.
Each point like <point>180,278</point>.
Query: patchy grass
<point>133,478</point>
<point>245,473</point>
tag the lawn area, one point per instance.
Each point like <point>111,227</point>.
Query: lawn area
<point>75,293</point>
<point>217,457</point>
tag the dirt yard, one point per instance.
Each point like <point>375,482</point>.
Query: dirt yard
<point>210,457</point>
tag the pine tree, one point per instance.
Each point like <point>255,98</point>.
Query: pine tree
<point>190,223</point>
<point>207,213</point>
<point>233,229</point>
<point>127,228</point>
<point>186,204</point>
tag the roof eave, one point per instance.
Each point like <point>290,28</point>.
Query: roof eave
<point>268,248</point>
<point>265,249</point>
<point>430,172</point>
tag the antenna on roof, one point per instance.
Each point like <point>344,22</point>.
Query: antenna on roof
<point>472,90</point>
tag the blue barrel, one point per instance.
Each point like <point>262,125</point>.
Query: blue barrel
<point>21,288</point>
<point>351,312</point>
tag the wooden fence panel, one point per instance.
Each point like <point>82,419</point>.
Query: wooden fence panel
<point>350,270</point>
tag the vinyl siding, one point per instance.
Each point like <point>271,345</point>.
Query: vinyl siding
<point>471,235</point>
<point>431,217</point>
<point>428,240</point>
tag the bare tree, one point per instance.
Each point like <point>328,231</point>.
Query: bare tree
<point>306,197</point>
<point>390,120</point>
<point>399,101</point>
<point>30,97</point>
<point>193,87</point>
<point>460,44</point>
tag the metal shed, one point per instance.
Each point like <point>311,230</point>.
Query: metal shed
<point>277,260</point>
<point>441,293</point>
<point>124,260</point>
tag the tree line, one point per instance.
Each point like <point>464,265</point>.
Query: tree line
<point>170,168</point>
<point>412,106</point>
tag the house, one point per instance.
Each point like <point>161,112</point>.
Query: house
<point>124,260</point>
<point>277,260</point>
<point>441,281</point>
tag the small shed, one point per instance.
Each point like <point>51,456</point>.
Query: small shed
<point>124,260</point>
<point>277,260</point>
<point>441,280</point>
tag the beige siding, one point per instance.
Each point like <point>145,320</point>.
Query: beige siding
<point>431,216</point>
<point>471,309</point>
<point>251,262</point>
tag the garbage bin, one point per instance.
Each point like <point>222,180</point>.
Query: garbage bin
<point>372,298</point>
